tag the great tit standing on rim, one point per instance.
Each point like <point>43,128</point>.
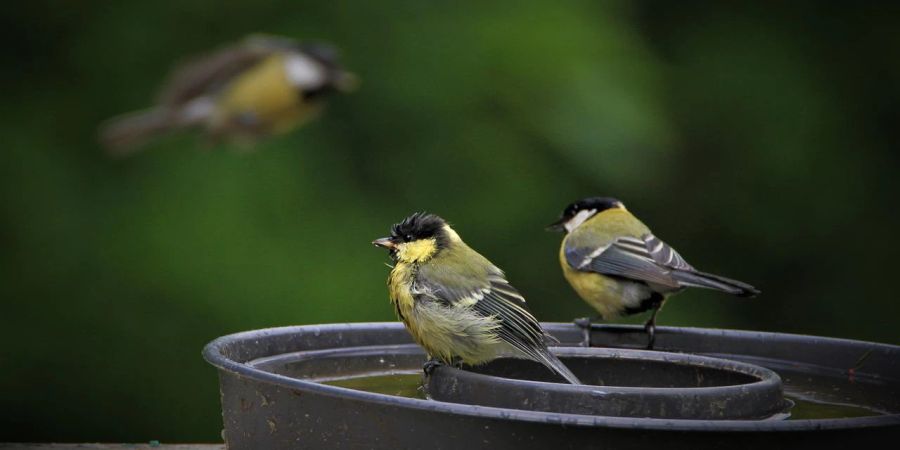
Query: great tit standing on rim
<point>261,86</point>
<point>455,303</point>
<point>619,267</point>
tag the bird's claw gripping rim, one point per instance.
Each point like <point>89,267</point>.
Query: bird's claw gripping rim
<point>430,365</point>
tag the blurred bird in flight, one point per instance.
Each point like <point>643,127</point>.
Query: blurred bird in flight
<point>262,86</point>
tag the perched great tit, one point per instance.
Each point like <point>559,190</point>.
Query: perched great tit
<point>619,267</point>
<point>261,86</point>
<point>455,303</point>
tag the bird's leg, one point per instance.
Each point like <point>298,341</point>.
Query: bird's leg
<point>430,365</point>
<point>585,324</point>
<point>650,328</point>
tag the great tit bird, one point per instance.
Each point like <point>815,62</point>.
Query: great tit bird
<point>619,267</point>
<point>455,303</point>
<point>261,86</point>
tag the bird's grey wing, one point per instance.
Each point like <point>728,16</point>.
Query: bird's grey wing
<point>518,327</point>
<point>665,255</point>
<point>630,257</point>
<point>687,275</point>
<point>648,259</point>
<point>492,297</point>
<point>209,73</point>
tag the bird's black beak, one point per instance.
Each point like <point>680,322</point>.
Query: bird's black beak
<point>384,242</point>
<point>559,225</point>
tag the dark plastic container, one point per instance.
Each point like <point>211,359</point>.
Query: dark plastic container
<point>265,407</point>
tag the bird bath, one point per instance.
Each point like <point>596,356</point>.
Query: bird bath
<point>361,385</point>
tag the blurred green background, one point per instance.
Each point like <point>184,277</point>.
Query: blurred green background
<point>761,141</point>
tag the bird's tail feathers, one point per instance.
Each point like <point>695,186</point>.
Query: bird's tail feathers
<point>715,282</point>
<point>553,363</point>
<point>126,134</point>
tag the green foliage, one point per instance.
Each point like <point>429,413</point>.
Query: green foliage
<point>761,143</point>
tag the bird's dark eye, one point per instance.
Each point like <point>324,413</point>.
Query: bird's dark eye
<point>409,238</point>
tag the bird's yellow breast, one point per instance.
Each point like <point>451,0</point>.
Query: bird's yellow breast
<point>445,331</point>
<point>400,290</point>
<point>263,93</point>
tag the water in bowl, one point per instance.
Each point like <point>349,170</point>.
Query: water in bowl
<point>408,384</point>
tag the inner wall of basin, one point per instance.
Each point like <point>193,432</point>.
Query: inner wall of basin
<point>606,371</point>
<point>345,363</point>
<point>625,372</point>
<point>397,370</point>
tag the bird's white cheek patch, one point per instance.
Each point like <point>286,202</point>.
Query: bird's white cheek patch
<point>303,71</point>
<point>579,219</point>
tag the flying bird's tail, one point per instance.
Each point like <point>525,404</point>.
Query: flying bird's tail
<point>553,363</point>
<point>125,134</point>
<point>715,282</point>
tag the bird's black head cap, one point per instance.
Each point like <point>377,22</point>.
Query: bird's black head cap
<point>597,204</point>
<point>420,225</point>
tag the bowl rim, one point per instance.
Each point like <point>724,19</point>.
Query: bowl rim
<point>763,377</point>
<point>213,353</point>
